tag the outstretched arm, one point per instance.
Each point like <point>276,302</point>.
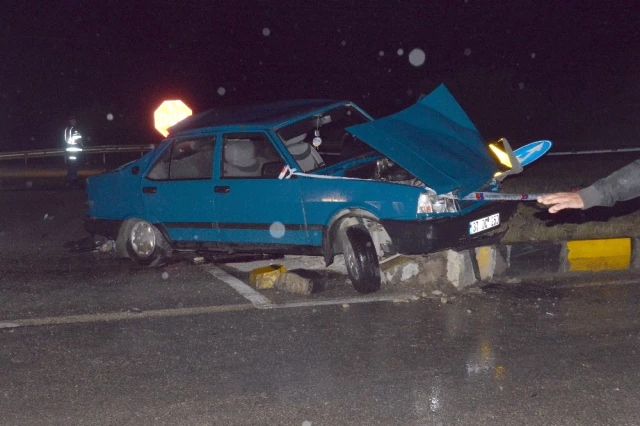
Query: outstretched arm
<point>621,185</point>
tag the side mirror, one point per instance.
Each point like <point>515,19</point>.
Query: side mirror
<point>272,169</point>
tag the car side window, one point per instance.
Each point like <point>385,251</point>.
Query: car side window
<point>249,155</point>
<point>185,159</point>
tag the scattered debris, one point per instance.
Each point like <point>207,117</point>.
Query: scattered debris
<point>444,300</point>
<point>198,260</point>
<point>414,298</point>
<point>292,282</point>
<point>400,300</point>
<point>266,277</point>
<point>86,244</point>
<point>474,290</point>
<point>437,293</point>
<point>468,311</point>
<point>134,310</point>
<point>345,305</point>
<point>398,269</point>
<point>47,217</point>
<point>107,247</point>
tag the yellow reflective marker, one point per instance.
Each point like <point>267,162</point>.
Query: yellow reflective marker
<point>486,261</point>
<point>599,255</point>
<point>502,156</point>
<point>265,277</point>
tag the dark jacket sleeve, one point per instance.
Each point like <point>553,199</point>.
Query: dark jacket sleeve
<point>621,185</point>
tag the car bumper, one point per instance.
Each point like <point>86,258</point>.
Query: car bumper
<point>421,237</point>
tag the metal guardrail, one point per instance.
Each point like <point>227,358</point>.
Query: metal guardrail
<point>596,151</point>
<point>106,149</point>
<point>110,149</point>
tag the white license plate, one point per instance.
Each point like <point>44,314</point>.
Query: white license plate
<point>483,224</point>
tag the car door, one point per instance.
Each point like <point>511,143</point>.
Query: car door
<point>253,206</point>
<point>178,191</point>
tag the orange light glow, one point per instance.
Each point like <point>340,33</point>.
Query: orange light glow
<point>168,114</point>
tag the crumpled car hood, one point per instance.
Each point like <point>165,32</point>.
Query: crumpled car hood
<point>435,141</point>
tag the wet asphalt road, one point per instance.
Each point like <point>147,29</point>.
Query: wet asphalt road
<point>511,356</point>
<point>113,344</point>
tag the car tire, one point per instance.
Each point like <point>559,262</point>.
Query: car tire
<point>145,244</point>
<point>361,260</point>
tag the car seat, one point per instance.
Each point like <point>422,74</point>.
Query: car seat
<point>304,153</point>
<point>240,159</point>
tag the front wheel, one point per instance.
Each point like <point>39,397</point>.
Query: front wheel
<point>361,260</point>
<point>145,244</point>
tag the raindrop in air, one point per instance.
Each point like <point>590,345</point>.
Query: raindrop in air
<point>416,57</point>
<point>400,52</point>
<point>221,91</point>
<point>110,117</point>
<point>266,32</point>
<point>277,230</point>
<point>165,275</point>
<point>467,52</point>
<point>381,53</point>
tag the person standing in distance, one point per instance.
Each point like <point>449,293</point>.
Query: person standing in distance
<point>73,148</point>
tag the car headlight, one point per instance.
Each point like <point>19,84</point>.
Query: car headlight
<point>430,202</point>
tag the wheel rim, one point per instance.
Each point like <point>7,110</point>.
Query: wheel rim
<point>143,239</point>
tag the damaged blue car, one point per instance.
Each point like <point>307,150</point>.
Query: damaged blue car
<point>314,177</point>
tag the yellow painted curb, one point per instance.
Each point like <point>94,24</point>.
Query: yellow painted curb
<point>599,255</point>
<point>486,261</point>
<point>266,276</point>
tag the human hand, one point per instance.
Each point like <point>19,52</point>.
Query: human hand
<point>562,200</point>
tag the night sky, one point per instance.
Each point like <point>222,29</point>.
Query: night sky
<point>563,70</point>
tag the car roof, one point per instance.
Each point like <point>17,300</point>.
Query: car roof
<point>266,115</point>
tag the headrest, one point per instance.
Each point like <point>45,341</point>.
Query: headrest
<point>295,140</point>
<point>240,152</point>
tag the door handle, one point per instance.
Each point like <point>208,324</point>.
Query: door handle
<point>221,189</point>
<point>149,189</point>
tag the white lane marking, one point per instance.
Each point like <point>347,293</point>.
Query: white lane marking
<point>346,300</point>
<point>181,312</point>
<point>258,300</point>
<point>9,325</point>
<point>120,316</point>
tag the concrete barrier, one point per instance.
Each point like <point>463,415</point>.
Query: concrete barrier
<point>537,260</point>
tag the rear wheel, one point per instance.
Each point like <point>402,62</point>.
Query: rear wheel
<point>145,244</point>
<point>361,260</point>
